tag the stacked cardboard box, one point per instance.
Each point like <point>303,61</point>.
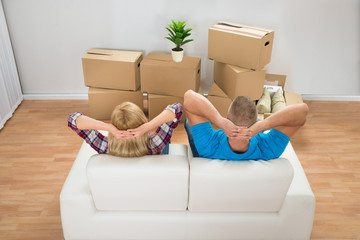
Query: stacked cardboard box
<point>103,101</point>
<point>113,77</point>
<point>219,99</point>
<point>157,103</point>
<point>240,45</point>
<point>238,81</point>
<point>240,53</point>
<point>166,81</point>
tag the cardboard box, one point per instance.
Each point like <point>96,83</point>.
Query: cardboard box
<point>221,104</point>
<point>219,99</point>
<point>103,101</point>
<point>161,75</point>
<point>112,69</point>
<point>157,103</point>
<point>290,97</point>
<point>236,81</point>
<point>240,45</point>
<point>215,90</point>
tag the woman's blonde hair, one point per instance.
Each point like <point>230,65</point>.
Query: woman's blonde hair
<point>128,116</point>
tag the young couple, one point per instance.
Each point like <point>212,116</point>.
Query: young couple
<point>240,136</point>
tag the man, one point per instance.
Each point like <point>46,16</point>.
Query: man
<point>240,136</point>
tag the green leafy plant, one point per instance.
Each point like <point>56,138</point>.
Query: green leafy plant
<point>178,33</point>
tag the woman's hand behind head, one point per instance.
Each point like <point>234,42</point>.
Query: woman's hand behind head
<point>138,132</point>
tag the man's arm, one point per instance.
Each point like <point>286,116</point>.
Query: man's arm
<point>288,120</point>
<point>200,110</point>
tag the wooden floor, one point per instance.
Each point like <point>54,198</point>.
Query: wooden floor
<point>37,151</point>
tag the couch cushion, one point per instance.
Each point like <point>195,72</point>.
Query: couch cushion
<point>149,183</point>
<point>238,186</point>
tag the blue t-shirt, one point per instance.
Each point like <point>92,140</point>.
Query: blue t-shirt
<point>214,144</point>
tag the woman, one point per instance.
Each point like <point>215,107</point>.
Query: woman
<point>129,134</point>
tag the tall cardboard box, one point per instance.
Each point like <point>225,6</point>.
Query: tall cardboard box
<point>161,75</point>
<point>157,103</point>
<point>103,101</point>
<point>290,97</point>
<point>113,69</point>
<point>240,45</point>
<point>236,81</point>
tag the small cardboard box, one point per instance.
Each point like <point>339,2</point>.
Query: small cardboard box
<point>103,101</point>
<point>157,103</point>
<point>240,45</point>
<point>112,69</point>
<point>219,99</point>
<point>236,81</point>
<point>290,97</point>
<point>161,75</point>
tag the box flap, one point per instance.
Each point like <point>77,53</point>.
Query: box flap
<point>95,90</point>
<point>159,57</point>
<point>292,98</point>
<point>242,29</point>
<point>166,59</point>
<point>239,69</point>
<point>276,77</point>
<point>111,54</point>
<point>217,91</point>
<point>244,26</point>
<point>97,51</point>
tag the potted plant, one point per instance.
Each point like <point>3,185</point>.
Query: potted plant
<point>177,34</point>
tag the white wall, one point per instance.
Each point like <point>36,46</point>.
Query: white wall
<point>316,41</point>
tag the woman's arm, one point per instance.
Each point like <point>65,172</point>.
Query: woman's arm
<point>165,116</point>
<point>87,128</point>
<point>172,113</point>
<point>85,122</point>
<point>164,132</point>
<point>166,122</point>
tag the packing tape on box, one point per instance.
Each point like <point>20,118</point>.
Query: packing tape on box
<point>272,89</point>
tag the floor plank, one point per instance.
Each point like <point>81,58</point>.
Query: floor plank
<point>328,147</point>
<point>37,151</point>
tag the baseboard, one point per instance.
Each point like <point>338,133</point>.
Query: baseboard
<point>56,96</point>
<point>326,97</point>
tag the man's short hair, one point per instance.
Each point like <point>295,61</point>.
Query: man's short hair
<point>242,111</point>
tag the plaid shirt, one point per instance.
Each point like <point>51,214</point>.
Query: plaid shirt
<point>158,140</point>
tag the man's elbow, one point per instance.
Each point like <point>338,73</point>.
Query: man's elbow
<point>188,96</point>
<point>304,112</point>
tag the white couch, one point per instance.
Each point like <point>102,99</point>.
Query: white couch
<point>177,196</point>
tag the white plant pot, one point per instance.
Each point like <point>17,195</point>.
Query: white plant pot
<point>177,56</point>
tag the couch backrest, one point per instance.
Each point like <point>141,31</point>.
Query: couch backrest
<point>238,186</point>
<point>149,183</point>
<point>165,183</point>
